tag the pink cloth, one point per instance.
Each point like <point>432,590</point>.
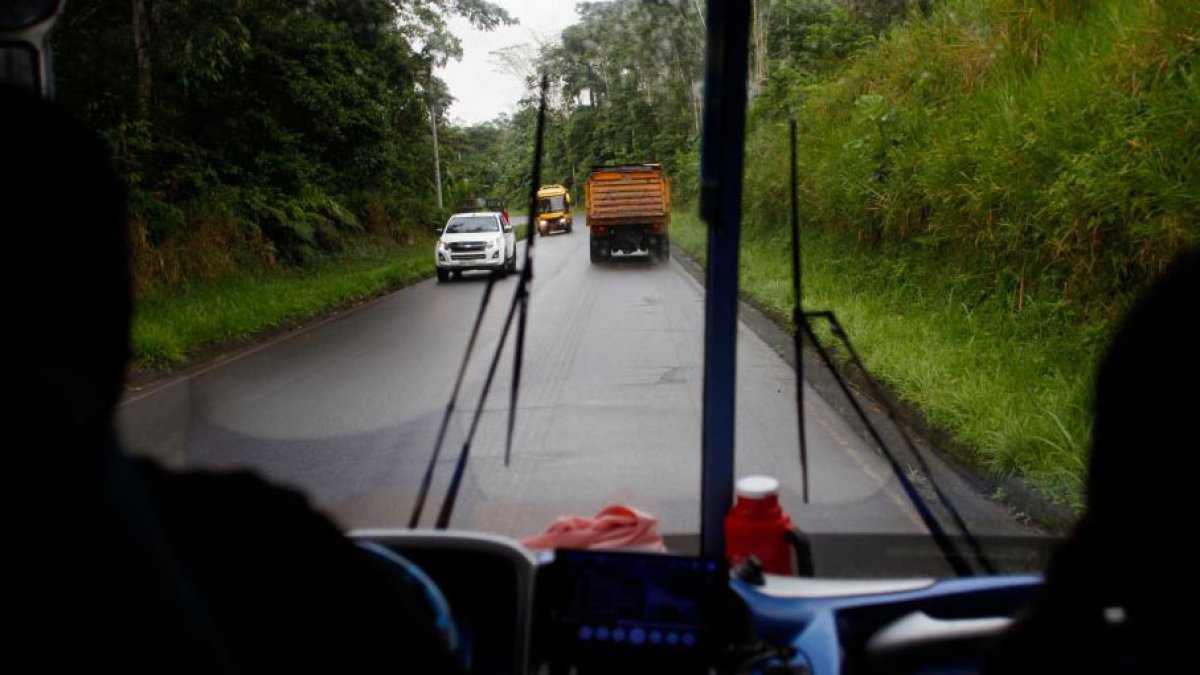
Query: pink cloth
<point>615,526</point>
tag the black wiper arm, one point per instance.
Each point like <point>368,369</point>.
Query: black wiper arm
<point>971,541</point>
<point>443,519</point>
<point>798,314</point>
<point>423,493</point>
<point>943,542</point>
<point>520,301</point>
<point>522,297</point>
<point>800,329</point>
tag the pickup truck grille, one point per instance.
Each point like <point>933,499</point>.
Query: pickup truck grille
<point>467,246</point>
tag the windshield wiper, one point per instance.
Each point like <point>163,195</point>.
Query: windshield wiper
<point>520,302</point>
<point>802,327</point>
<point>423,493</point>
<point>798,315</point>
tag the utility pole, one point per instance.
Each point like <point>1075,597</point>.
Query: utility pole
<point>437,163</point>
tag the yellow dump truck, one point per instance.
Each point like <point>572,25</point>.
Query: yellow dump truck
<point>553,209</point>
<point>629,211</point>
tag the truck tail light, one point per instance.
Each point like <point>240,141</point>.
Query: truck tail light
<point>600,229</point>
<point>655,226</point>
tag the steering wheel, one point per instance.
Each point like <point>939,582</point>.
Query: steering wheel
<point>425,588</point>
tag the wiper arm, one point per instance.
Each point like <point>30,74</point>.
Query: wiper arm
<point>798,314</point>
<point>802,328</point>
<point>522,296</point>
<point>443,519</point>
<point>840,333</point>
<point>943,542</point>
<point>423,493</point>
<point>520,301</point>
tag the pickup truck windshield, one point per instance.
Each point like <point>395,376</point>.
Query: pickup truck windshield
<point>469,224</point>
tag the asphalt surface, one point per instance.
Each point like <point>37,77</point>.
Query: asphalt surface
<point>347,410</point>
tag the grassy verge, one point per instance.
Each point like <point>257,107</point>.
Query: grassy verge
<point>173,324</point>
<point>1014,393</point>
<point>170,325</point>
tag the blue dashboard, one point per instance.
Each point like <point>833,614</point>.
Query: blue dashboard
<point>622,612</point>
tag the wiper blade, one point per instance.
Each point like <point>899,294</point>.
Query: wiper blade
<point>520,302</point>
<point>423,493</point>
<point>971,541</point>
<point>940,538</point>
<point>798,314</point>
<point>801,328</point>
<point>460,467</point>
<point>522,296</point>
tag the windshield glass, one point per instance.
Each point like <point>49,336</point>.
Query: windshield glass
<point>976,206</point>
<point>552,204</point>
<point>469,224</point>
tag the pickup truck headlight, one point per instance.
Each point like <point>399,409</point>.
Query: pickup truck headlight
<point>491,244</point>
<point>441,246</point>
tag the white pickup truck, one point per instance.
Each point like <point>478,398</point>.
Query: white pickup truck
<point>481,240</point>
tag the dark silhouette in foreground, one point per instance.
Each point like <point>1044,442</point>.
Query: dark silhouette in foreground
<point>1120,593</point>
<point>106,563</point>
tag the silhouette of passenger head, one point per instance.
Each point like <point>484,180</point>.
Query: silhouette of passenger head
<point>1141,505</point>
<point>66,272</point>
<point>1114,588</point>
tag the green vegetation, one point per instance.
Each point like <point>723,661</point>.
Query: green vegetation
<point>985,184</point>
<point>1010,390</point>
<point>1046,150</point>
<point>264,133</point>
<point>172,324</point>
<point>625,87</point>
<point>983,189</point>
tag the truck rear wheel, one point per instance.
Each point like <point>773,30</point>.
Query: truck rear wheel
<point>663,251</point>
<point>599,253</point>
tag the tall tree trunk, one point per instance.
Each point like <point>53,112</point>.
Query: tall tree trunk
<point>141,50</point>
<point>762,20</point>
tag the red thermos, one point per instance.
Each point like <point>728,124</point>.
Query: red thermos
<point>757,526</point>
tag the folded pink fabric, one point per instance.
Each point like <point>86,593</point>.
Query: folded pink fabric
<point>615,526</point>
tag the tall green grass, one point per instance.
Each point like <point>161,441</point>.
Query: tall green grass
<point>1013,393</point>
<point>172,324</point>
<point>983,191</point>
<point>1049,146</point>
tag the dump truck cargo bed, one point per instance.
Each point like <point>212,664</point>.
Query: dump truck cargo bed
<point>635,191</point>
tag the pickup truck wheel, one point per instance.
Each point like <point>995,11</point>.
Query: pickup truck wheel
<point>443,275</point>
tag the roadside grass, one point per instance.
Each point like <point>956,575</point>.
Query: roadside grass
<point>984,190</point>
<point>171,325</point>
<point>1049,144</point>
<point>1014,391</point>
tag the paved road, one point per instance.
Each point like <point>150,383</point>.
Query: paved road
<point>347,409</point>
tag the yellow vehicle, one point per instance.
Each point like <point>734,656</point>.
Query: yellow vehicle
<point>553,209</point>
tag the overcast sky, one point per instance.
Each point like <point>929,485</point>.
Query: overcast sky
<point>481,89</point>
